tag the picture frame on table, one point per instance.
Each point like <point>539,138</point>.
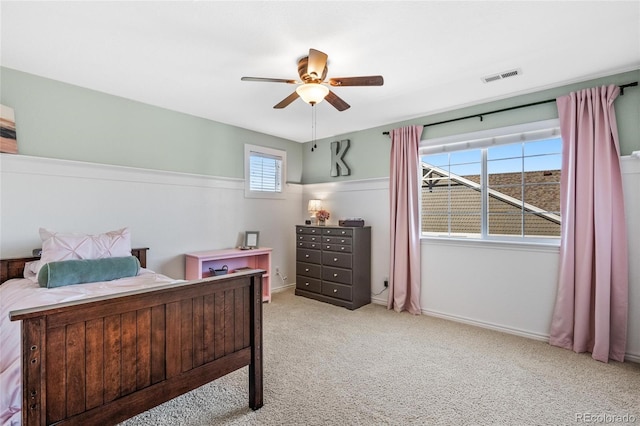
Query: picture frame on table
<point>251,239</point>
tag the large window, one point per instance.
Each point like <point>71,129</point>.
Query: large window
<point>264,172</point>
<point>495,185</point>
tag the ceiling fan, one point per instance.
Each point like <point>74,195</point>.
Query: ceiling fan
<point>312,87</point>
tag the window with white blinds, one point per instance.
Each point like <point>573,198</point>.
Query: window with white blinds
<point>264,171</point>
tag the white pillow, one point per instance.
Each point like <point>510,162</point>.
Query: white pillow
<point>29,270</point>
<point>57,246</point>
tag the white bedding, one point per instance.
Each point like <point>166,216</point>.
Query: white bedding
<point>23,293</point>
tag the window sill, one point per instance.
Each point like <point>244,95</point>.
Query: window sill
<point>551,247</point>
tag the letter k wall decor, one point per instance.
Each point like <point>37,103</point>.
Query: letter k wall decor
<point>338,150</point>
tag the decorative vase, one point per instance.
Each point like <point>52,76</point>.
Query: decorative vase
<point>322,222</point>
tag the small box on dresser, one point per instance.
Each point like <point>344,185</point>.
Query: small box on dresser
<point>333,264</point>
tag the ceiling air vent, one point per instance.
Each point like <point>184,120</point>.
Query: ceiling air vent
<point>502,75</point>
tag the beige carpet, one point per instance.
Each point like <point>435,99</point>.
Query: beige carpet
<point>326,365</point>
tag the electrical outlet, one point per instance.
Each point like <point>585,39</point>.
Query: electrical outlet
<point>278,274</point>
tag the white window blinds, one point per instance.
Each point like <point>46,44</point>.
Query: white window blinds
<point>265,173</point>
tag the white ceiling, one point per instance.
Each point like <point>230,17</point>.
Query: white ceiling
<point>189,56</point>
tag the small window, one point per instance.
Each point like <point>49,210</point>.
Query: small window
<point>264,172</point>
<point>500,185</point>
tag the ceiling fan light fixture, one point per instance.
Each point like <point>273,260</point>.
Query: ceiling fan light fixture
<point>312,70</point>
<point>312,93</point>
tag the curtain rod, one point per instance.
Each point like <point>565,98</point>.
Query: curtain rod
<point>622,87</point>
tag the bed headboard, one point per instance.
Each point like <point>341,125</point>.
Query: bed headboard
<point>14,268</point>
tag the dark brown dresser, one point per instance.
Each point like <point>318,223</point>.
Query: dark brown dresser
<point>333,264</point>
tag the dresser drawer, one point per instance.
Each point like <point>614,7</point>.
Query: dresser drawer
<point>305,255</point>
<point>315,246</point>
<point>338,232</point>
<point>309,238</point>
<point>306,230</point>
<point>342,260</point>
<point>308,269</point>
<point>336,240</point>
<point>308,284</point>
<point>336,275</point>
<point>336,247</point>
<point>338,291</point>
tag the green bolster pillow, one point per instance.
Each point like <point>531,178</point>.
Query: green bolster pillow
<point>68,272</point>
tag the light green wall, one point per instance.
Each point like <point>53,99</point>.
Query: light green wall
<point>59,120</point>
<point>368,155</point>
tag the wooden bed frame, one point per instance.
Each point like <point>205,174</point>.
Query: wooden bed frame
<point>106,359</point>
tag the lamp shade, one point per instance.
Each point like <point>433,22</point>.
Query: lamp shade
<point>314,206</point>
<point>312,93</point>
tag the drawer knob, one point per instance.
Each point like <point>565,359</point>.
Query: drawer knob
<point>335,290</point>
<point>335,259</point>
<point>313,231</point>
<point>328,231</point>
<point>306,283</point>
<point>306,269</point>
<point>313,238</point>
<point>343,232</point>
<point>341,248</point>
<point>342,241</point>
<point>328,247</point>
<point>306,255</point>
<point>335,275</point>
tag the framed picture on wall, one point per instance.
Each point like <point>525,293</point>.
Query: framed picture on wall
<point>8,140</point>
<point>251,239</point>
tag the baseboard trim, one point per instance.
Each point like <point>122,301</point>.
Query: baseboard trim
<point>488,325</point>
<point>379,301</point>
<point>535,336</point>
<point>282,288</point>
<point>481,324</point>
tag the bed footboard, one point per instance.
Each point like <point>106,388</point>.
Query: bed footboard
<point>107,359</point>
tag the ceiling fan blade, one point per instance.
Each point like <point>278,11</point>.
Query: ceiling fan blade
<point>370,80</point>
<point>337,101</point>
<point>317,63</point>
<point>269,80</point>
<point>286,101</point>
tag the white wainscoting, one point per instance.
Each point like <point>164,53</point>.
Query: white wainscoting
<point>631,182</point>
<point>171,213</point>
<point>508,288</point>
<point>368,199</point>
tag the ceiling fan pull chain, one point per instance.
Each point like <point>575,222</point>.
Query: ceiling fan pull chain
<point>313,128</point>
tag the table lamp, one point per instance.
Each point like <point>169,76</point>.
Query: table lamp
<point>313,207</point>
